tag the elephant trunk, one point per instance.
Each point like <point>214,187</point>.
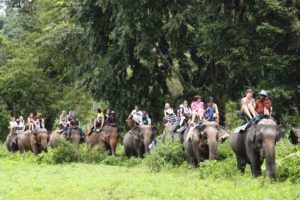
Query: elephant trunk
<point>269,153</point>
<point>147,142</point>
<point>44,142</point>
<point>212,144</point>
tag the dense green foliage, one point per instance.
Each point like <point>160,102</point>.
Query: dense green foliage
<point>69,54</point>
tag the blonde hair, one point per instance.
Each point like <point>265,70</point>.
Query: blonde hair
<point>167,105</point>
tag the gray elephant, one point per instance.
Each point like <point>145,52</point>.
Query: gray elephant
<point>55,138</point>
<point>201,142</point>
<point>39,141</point>
<point>136,141</point>
<point>257,144</point>
<point>75,138</point>
<point>295,134</point>
<point>12,143</point>
<point>24,142</point>
<point>169,133</point>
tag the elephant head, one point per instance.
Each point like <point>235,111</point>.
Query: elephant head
<point>39,141</point>
<point>209,133</point>
<point>264,137</point>
<point>12,143</point>
<point>143,136</point>
<point>75,137</point>
<point>148,135</point>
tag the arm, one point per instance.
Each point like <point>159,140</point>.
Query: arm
<point>130,115</point>
<point>268,105</point>
<point>102,123</point>
<point>217,109</point>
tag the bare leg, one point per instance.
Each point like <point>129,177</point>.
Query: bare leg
<point>252,111</point>
<point>246,111</point>
<point>193,117</point>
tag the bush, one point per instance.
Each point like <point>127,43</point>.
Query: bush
<point>67,153</point>
<point>169,154</point>
<point>218,169</point>
<point>224,151</point>
<point>288,161</point>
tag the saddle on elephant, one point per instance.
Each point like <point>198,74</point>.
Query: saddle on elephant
<point>247,124</point>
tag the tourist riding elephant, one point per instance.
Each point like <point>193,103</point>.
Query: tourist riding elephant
<point>39,141</point>
<point>295,134</point>
<point>12,143</point>
<point>107,139</point>
<point>201,142</point>
<point>24,142</point>
<point>136,141</point>
<point>257,144</point>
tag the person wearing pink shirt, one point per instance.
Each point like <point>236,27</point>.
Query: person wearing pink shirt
<point>197,108</point>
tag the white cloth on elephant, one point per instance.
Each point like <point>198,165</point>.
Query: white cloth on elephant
<point>39,124</point>
<point>137,115</point>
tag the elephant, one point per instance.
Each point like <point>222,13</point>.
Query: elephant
<point>169,133</point>
<point>107,139</point>
<point>39,141</point>
<point>201,142</point>
<point>256,145</point>
<point>136,141</point>
<point>55,138</point>
<point>295,134</point>
<point>12,143</point>
<point>24,142</point>
<point>75,138</point>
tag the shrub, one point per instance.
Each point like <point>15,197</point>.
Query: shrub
<point>171,153</point>
<point>65,153</point>
<point>218,169</point>
<point>224,151</point>
<point>288,161</point>
<point>88,154</point>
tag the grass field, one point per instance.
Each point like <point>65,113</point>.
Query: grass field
<point>20,178</point>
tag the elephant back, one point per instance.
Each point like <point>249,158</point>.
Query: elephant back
<point>75,136</point>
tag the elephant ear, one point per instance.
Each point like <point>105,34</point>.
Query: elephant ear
<point>251,133</point>
<point>280,132</point>
<point>222,134</point>
<point>136,133</point>
<point>200,128</point>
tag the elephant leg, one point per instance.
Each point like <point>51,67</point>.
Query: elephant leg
<point>113,146</point>
<point>102,146</point>
<point>33,144</point>
<point>196,148</point>
<point>255,161</point>
<point>140,151</point>
<point>21,149</point>
<point>241,164</point>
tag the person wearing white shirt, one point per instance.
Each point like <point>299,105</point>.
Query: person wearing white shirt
<point>136,115</point>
